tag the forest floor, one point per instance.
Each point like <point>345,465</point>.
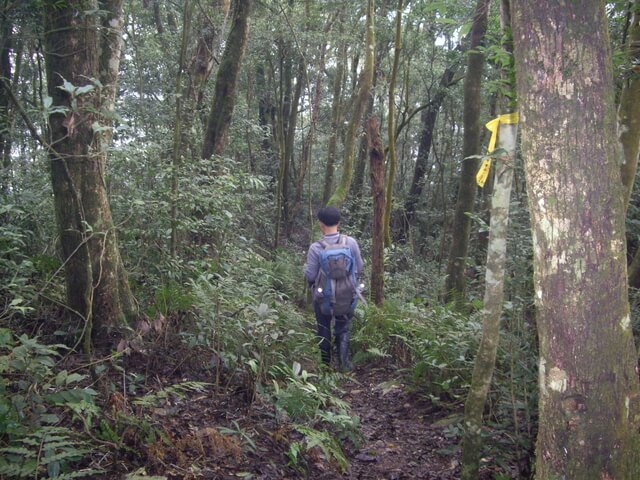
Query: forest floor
<point>219,435</point>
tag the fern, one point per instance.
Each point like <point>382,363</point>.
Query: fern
<point>329,446</point>
<point>29,392</point>
<point>179,390</point>
<point>50,449</point>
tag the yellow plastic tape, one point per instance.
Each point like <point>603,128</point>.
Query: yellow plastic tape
<point>493,126</point>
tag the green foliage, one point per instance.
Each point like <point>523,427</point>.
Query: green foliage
<point>243,318</point>
<point>171,297</point>
<point>178,390</point>
<point>318,438</point>
<point>34,398</point>
<point>17,290</point>
<point>48,452</point>
<point>439,343</point>
<point>312,399</point>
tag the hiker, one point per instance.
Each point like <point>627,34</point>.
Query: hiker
<point>333,271</point>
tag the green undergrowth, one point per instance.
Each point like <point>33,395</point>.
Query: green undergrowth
<point>39,406</point>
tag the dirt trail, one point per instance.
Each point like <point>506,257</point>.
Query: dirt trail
<point>400,438</point>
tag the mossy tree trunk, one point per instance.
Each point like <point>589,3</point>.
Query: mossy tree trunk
<point>336,121</point>
<point>78,164</point>
<point>455,283</point>
<point>588,401</point>
<point>110,45</point>
<point>391,128</point>
<point>362,153</point>
<point>5,111</point>
<point>340,194</point>
<point>224,97</point>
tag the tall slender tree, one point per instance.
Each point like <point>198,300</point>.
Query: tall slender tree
<point>391,128</point>
<point>376,158</point>
<point>226,80</point>
<point>505,129</point>
<point>455,283</point>
<point>336,116</point>
<point>589,393</point>
<point>428,121</point>
<point>6,41</point>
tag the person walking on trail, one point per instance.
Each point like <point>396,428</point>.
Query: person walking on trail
<point>333,270</point>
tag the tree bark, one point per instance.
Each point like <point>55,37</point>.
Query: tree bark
<point>588,401</point>
<point>455,284</point>
<point>376,157</point>
<point>226,81</point>
<point>78,163</point>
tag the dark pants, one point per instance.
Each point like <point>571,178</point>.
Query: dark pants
<point>341,327</point>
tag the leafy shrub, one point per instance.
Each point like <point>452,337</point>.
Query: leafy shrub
<point>244,319</point>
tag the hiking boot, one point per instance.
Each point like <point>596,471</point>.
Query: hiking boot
<point>342,342</point>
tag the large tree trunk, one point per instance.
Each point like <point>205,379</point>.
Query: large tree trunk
<point>455,284</point>
<point>87,235</point>
<point>589,393</point>
<point>224,97</point>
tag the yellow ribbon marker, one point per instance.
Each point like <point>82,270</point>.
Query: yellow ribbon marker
<point>492,126</point>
